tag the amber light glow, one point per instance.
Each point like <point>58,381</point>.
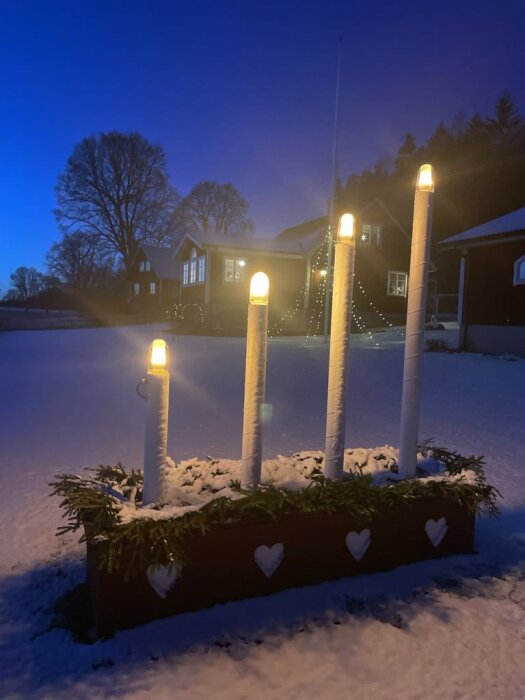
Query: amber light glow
<point>158,355</point>
<point>425,178</point>
<point>346,227</point>
<point>259,288</point>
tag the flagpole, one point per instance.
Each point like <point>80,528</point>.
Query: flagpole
<point>328,277</point>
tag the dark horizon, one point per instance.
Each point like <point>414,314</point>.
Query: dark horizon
<point>242,95</point>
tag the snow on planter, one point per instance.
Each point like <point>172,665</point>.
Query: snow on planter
<point>212,541</point>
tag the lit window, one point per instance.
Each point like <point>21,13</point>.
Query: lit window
<point>152,287</point>
<point>193,266</point>
<point>185,274</point>
<point>397,284</point>
<point>234,269</point>
<point>144,266</point>
<point>201,272</point>
<point>136,289</point>
<point>519,271</point>
<point>371,235</point>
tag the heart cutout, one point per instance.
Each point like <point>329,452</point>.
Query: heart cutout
<point>358,543</point>
<point>162,578</point>
<point>269,558</point>
<point>436,530</point>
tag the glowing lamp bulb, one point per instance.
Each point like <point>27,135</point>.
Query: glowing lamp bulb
<point>346,227</point>
<point>259,288</point>
<point>158,355</point>
<point>425,178</point>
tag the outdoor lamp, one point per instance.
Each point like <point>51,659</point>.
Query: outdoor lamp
<point>255,380</point>
<point>157,393</point>
<point>425,180</point>
<point>259,288</point>
<point>158,356</point>
<point>415,325</point>
<point>343,282</point>
<point>346,227</point>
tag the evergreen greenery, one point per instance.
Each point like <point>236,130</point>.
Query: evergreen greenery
<point>132,546</point>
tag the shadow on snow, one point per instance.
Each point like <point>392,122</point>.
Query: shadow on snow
<point>40,653</point>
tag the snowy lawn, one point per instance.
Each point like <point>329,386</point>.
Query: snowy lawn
<point>443,629</point>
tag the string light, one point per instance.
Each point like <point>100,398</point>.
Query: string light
<point>177,311</point>
<point>376,310</point>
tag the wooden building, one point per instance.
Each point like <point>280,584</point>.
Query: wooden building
<point>208,274</point>
<point>491,306</point>
<point>153,280</point>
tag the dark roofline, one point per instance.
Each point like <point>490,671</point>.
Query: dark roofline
<point>478,241</point>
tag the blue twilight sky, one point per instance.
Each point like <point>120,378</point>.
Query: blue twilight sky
<point>236,91</point>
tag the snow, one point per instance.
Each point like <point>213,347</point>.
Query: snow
<point>449,628</point>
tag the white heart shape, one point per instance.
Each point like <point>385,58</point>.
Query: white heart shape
<point>436,530</point>
<point>269,558</point>
<point>162,578</point>
<point>358,543</point>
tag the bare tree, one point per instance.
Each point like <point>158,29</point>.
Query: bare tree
<point>211,207</point>
<point>79,261</point>
<point>115,187</point>
<point>26,282</point>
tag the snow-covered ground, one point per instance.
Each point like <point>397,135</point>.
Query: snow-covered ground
<point>449,628</point>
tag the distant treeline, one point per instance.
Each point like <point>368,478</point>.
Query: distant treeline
<point>480,172</point>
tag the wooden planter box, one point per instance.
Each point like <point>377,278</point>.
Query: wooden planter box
<point>222,564</point>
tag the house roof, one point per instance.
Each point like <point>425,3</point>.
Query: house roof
<point>511,223</point>
<point>162,262</point>
<point>271,245</point>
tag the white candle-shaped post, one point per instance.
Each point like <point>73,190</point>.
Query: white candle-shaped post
<point>415,327</point>
<point>255,380</point>
<point>343,277</point>
<point>157,386</point>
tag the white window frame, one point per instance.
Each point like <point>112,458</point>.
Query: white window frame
<point>194,270</point>
<point>144,266</point>
<point>152,288</point>
<point>519,271</point>
<point>397,273</point>
<point>238,269</point>
<point>136,289</point>
<point>372,235</point>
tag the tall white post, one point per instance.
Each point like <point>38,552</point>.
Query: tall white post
<point>461,290</point>
<point>255,380</point>
<point>156,438</point>
<point>415,327</point>
<point>344,261</point>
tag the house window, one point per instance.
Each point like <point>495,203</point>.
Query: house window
<point>201,269</point>
<point>234,269</point>
<point>519,271</point>
<point>194,270</point>
<point>136,289</point>
<point>193,266</point>
<point>397,284</point>
<point>152,287</point>
<point>371,235</point>
<point>144,266</point>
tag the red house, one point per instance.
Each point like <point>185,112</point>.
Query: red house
<point>491,305</point>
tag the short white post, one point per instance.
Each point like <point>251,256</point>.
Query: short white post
<point>344,261</point>
<point>155,443</point>
<point>415,327</point>
<point>255,381</point>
